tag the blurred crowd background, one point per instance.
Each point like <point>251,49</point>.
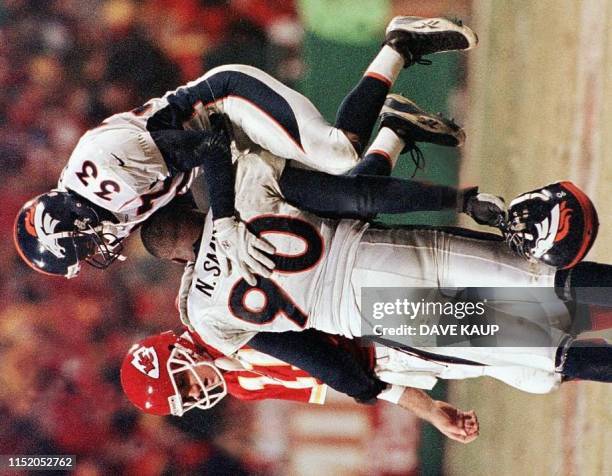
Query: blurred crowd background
<point>65,65</point>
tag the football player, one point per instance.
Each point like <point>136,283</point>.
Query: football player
<point>136,162</point>
<point>322,265</point>
<point>170,374</point>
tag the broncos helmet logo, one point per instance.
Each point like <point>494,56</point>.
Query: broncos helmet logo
<point>145,360</point>
<point>564,220</point>
<point>546,233</point>
<point>29,222</point>
<point>44,229</point>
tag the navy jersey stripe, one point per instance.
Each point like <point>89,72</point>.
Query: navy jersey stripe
<point>219,86</point>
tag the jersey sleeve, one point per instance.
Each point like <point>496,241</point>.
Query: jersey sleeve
<point>211,328</point>
<point>256,387</point>
<point>253,375</point>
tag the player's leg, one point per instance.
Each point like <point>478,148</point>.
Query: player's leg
<point>412,257</point>
<point>403,124</point>
<point>288,125</point>
<point>364,193</point>
<point>586,288</point>
<point>589,317</point>
<point>407,39</point>
<point>411,368</point>
<point>273,116</point>
<point>586,283</point>
<point>527,379</point>
<point>382,155</point>
<point>453,257</point>
<point>586,359</point>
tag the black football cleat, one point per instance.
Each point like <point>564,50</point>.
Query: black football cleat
<point>415,37</point>
<point>413,124</point>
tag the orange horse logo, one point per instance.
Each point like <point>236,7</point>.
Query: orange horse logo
<point>29,222</point>
<point>564,221</point>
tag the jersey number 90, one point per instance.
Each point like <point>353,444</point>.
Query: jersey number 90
<point>276,300</point>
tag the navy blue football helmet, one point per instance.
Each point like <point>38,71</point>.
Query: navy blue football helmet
<point>57,230</point>
<point>556,224</point>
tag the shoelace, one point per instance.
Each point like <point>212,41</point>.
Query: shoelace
<point>417,156</point>
<point>420,60</point>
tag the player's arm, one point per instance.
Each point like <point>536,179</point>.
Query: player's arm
<point>321,359</point>
<point>364,196</point>
<point>341,371</point>
<point>449,420</point>
<point>184,150</point>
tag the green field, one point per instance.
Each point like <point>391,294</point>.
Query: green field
<point>540,110</point>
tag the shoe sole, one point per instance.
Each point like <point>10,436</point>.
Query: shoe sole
<point>419,125</point>
<point>417,26</point>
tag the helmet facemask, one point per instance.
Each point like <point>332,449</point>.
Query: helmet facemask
<point>96,246</point>
<point>181,361</point>
<point>103,247</point>
<point>520,231</point>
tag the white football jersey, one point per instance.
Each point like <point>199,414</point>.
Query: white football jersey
<point>313,261</point>
<point>118,167</point>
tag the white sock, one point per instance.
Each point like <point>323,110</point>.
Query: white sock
<point>387,143</point>
<point>386,66</point>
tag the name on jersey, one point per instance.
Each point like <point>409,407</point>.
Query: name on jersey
<point>206,283</point>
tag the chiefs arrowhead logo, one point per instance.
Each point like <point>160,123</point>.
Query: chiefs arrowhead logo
<point>145,360</point>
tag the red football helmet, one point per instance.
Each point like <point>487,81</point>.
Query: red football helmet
<point>153,369</point>
<point>556,224</point>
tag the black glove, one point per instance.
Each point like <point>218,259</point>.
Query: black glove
<point>218,125</point>
<point>484,208</point>
<point>213,144</point>
<point>184,150</point>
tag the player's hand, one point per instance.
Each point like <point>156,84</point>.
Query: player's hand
<point>454,423</point>
<point>219,126</point>
<point>213,143</point>
<point>484,208</point>
<point>237,246</point>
